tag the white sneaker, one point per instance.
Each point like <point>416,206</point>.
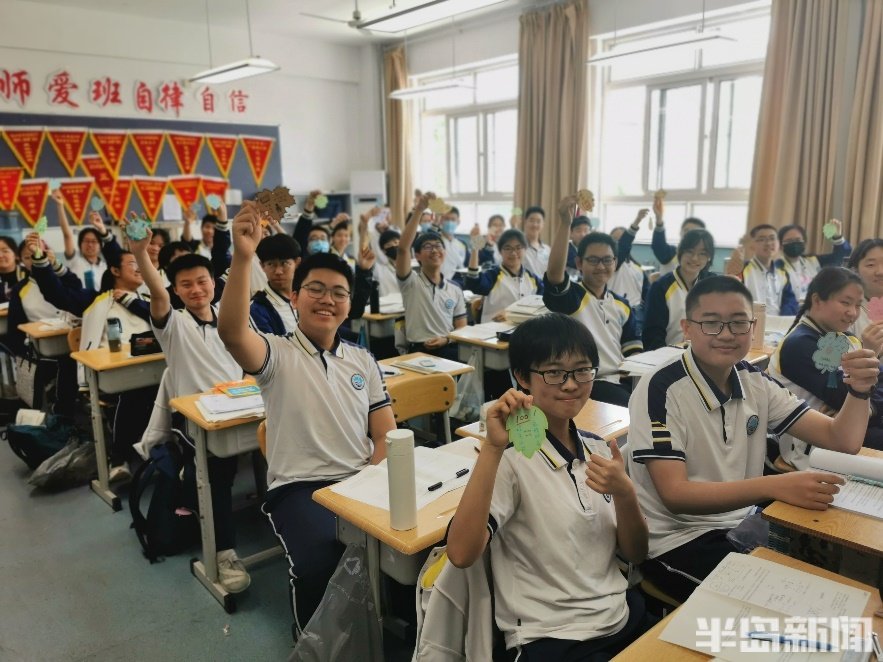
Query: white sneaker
<point>231,572</point>
<point>119,473</point>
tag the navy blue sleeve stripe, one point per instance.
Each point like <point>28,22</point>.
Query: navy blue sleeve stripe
<point>792,418</point>
<point>641,456</point>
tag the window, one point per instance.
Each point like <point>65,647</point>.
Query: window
<point>683,120</point>
<point>466,147</point>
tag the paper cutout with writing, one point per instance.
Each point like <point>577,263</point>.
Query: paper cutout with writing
<point>585,199</point>
<point>97,203</point>
<point>54,185</point>
<point>136,229</point>
<point>321,201</point>
<point>831,347</point>
<point>439,206</point>
<point>41,226</point>
<point>517,211</point>
<point>527,430</point>
<point>213,200</point>
<point>875,309</point>
<point>274,203</point>
<point>829,230</point>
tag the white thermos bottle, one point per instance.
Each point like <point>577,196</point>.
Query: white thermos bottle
<point>760,326</point>
<point>402,486</point>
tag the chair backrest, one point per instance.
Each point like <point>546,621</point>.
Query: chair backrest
<point>262,437</point>
<point>430,394</point>
<point>73,338</point>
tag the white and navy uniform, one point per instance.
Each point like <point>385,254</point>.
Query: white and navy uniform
<point>385,275</point>
<point>88,273</point>
<point>430,309</point>
<point>105,306</point>
<point>802,270</point>
<point>501,288</point>
<point>202,249</point>
<point>456,256</point>
<point>628,282</point>
<point>665,253</point>
<point>678,414</point>
<point>770,286</point>
<point>666,307</point>
<point>609,318</point>
<point>536,258</point>
<point>272,312</point>
<point>345,257</point>
<point>553,545</point>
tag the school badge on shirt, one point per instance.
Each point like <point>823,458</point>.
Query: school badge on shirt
<point>751,425</point>
<point>449,304</point>
<point>357,381</point>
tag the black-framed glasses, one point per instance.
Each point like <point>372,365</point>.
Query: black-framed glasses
<point>556,377</point>
<point>716,327</point>
<point>317,291</point>
<point>431,246</point>
<point>594,261</point>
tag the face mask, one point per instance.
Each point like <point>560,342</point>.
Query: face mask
<point>449,227</point>
<point>794,249</point>
<point>425,226</point>
<point>391,252</point>
<point>318,246</point>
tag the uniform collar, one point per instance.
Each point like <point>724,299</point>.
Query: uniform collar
<point>709,393</point>
<point>213,322</point>
<point>592,294</point>
<point>759,265</point>
<point>441,283</point>
<point>680,279</point>
<point>274,296</point>
<point>554,453</point>
<point>310,348</point>
<point>807,321</point>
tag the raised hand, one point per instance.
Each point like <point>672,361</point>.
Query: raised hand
<point>872,337</point>
<point>509,402</point>
<point>566,208</point>
<point>246,230</point>
<point>310,203</point>
<point>366,259</point>
<point>97,222</point>
<point>861,369</point>
<point>608,476</point>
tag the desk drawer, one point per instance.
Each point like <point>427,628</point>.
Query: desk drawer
<point>54,346</point>
<point>131,377</point>
<point>233,441</point>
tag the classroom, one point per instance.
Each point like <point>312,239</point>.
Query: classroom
<point>441,329</point>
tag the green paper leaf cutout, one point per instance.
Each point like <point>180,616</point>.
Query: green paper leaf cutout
<point>831,347</point>
<point>213,200</point>
<point>54,184</point>
<point>829,230</point>
<point>136,229</point>
<point>321,201</point>
<point>517,211</point>
<point>41,226</point>
<point>527,430</point>
<point>97,203</point>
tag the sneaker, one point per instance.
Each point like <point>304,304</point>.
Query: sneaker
<point>231,572</point>
<point>119,473</point>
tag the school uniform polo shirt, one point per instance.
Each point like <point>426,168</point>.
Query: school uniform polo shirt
<point>501,288</point>
<point>385,275</point>
<point>88,273</point>
<point>609,318</point>
<point>770,286</point>
<point>628,282</point>
<point>430,309</point>
<point>317,404</point>
<point>553,547</point>
<point>679,415</point>
<point>282,305</point>
<point>455,256</point>
<point>802,270</point>
<point>666,307</point>
<point>536,258</point>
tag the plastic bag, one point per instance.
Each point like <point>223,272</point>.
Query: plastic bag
<point>345,625</point>
<point>467,405</point>
<point>72,466</point>
<point>752,532</point>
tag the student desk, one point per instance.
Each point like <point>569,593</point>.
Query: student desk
<point>389,550</point>
<point>606,420</point>
<point>223,439</point>
<point>650,647</point>
<point>48,340</point>
<point>484,353</point>
<point>409,375</point>
<point>114,372</point>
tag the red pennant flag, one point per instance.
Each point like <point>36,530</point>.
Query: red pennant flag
<point>186,148</point>
<point>76,193</point>
<point>257,152</point>
<point>26,143</point>
<point>118,204</point>
<point>68,145</point>
<point>214,185</point>
<point>32,199</point>
<point>10,181</point>
<point>97,169</point>
<point>111,145</point>
<point>186,189</point>
<point>151,191</point>
<point>148,147</point>
<point>223,149</point>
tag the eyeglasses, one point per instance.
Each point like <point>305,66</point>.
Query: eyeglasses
<point>432,246</point>
<point>715,328</point>
<point>556,377</point>
<point>595,261</point>
<point>318,290</point>
<point>512,249</point>
<point>771,239</point>
<point>695,255</point>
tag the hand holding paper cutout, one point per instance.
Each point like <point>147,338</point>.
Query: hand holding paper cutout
<point>213,200</point>
<point>511,401</point>
<point>875,309</point>
<point>138,231</point>
<point>527,430</point>
<point>96,221</point>
<point>861,369</point>
<point>832,228</point>
<point>827,357</point>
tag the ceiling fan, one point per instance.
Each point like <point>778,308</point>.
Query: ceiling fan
<point>354,22</point>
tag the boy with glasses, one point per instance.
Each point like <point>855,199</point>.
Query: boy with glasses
<point>271,308</point>
<point>766,279</point>
<point>697,438</point>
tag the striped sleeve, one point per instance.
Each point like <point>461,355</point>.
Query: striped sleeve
<point>656,432</point>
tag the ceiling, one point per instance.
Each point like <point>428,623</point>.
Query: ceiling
<point>279,16</point>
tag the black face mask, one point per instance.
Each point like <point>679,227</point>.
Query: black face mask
<point>794,249</point>
<point>391,252</point>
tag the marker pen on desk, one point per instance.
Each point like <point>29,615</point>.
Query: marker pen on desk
<point>775,637</point>
<point>437,486</point>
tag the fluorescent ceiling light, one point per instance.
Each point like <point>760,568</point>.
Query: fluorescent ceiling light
<point>678,41</point>
<point>429,12</point>
<point>253,66</point>
<point>432,88</point>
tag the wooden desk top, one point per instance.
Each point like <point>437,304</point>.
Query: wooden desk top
<point>408,375</point>
<point>40,330</point>
<point>498,345</point>
<point>382,317</point>
<point>432,521</point>
<point>650,647</point>
<point>4,312</point>
<point>853,530</point>
<point>186,405</point>
<point>103,359</point>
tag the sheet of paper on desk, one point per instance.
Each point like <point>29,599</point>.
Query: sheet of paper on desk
<point>430,365</point>
<point>639,364</point>
<point>255,412</point>
<point>857,496</point>
<point>486,331</point>
<point>222,404</point>
<point>747,589</point>
<point>4,305</point>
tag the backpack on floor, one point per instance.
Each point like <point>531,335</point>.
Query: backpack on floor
<point>37,443</point>
<point>170,526</point>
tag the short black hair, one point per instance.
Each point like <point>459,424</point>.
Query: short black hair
<point>9,241</point>
<point>864,247</point>
<point>82,235</point>
<point>323,228</point>
<point>694,221</point>
<point>578,221</point>
<point>762,226</point>
<point>547,337</point>
<point>162,232</point>
<point>788,228</point>
<point>535,209</point>
<point>429,235</point>
<point>343,225</point>
<point>388,235</point>
<point>108,278</point>
<point>321,261</point>
<point>596,238</point>
<point>715,285</point>
<point>495,217</point>
<point>694,238</point>
<point>209,218</point>
<point>167,251</point>
<point>454,210</point>
<point>509,235</point>
<point>186,262</point>
<point>278,247</point>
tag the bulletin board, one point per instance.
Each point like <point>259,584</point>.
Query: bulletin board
<point>184,155</point>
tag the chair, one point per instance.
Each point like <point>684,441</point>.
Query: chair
<point>73,338</point>
<point>430,394</point>
<point>662,599</point>
<point>262,437</point>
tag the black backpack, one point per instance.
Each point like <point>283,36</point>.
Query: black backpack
<point>36,443</point>
<point>172,523</point>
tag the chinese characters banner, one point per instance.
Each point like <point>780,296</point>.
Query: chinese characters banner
<point>148,147</point>
<point>32,199</point>
<point>26,143</point>
<point>76,193</point>
<point>214,185</point>
<point>111,144</point>
<point>97,169</point>
<point>186,189</point>
<point>223,149</point>
<point>10,181</point>
<point>151,191</point>
<point>68,145</point>
<point>257,152</point>
<point>119,201</point>
<point>186,148</point>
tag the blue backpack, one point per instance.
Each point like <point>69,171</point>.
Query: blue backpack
<point>36,443</point>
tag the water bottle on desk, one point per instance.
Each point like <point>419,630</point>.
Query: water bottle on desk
<point>402,484</point>
<point>757,342</point>
<point>114,334</point>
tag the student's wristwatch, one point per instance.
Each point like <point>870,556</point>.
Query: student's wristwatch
<point>859,394</point>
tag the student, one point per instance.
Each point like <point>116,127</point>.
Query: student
<point>207,230</point>
<point>665,303</point>
<point>630,281</point>
<point>340,241</point>
<point>385,269</point>
<point>456,252</point>
<point>338,383</point>
<point>11,273</point>
<point>434,305</point>
<point>767,281</point>
<point>579,228</point>
<point>87,262</point>
<point>697,438</point>
<point>488,251</point>
<point>271,308</point>
<point>161,239</point>
<point>318,240</point>
<point>608,317</point>
<point>536,255</point>
<point>664,252</point>
<point>803,268</point>
<point>832,304</point>
<point>558,592</point>
<point>197,360</point>
<point>504,284</point>
<point>867,262</point>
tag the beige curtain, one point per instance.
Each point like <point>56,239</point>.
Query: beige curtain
<point>863,174</point>
<point>552,105</point>
<point>398,136</point>
<point>801,107</point>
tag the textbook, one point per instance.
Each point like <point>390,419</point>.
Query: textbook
<point>239,388</point>
<point>863,492</point>
<point>216,408</point>
<point>641,364</point>
<point>526,308</point>
<point>429,365</point>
